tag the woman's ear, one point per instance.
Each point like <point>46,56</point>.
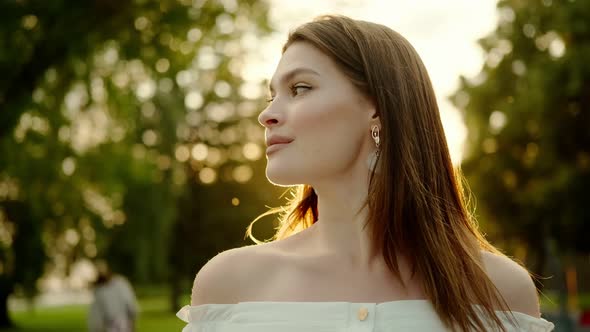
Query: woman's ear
<point>375,118</point>
<point>373,110</point>
<point>369,105</point>
<point>374,115</point>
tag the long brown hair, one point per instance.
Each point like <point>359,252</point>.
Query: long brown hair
<point>415,202</point>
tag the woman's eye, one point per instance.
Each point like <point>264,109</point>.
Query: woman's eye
<point>297,89</point>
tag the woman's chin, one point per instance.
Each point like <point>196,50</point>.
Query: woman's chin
<point>281,178</point>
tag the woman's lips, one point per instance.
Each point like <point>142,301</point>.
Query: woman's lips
<point>275,147</point>
<point>276,142</point>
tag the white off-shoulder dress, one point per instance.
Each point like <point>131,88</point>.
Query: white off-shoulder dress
<point>398,316</point>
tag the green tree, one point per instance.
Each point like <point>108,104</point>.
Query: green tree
<point>101,106</point>
<point>527,112</point>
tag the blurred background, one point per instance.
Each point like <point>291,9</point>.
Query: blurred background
<point>129,135</point>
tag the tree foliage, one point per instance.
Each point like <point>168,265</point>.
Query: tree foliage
<point>528,116</point>
<point>117,118</point>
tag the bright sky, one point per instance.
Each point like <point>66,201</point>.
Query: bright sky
<point>443,32</point>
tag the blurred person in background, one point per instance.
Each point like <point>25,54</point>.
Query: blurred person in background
<point>114,308</point>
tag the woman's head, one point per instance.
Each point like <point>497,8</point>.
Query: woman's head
<point>324,117</point>
<point>366,75</point>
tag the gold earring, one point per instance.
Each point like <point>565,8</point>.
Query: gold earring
<point>373,157</point>
<point>375,135</point>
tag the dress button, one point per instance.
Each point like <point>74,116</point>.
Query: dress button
<point>363,313</point>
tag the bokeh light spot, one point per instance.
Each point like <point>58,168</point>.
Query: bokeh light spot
<point>29,22</point>
<point>162,65</point>
<point>149,137</point>
<point>252,151</point>
<point>199,151</point>
<point>146,90</point>
<point>214,156</point>
<point>497,121</point>
<point>194,35</point>
<point>222,89</point>
<point>557,48</point>
<point>193,100</point>
<point>243,173</point>
<point>68,166</point>
<point>207,175</point>
<point>141,23</point>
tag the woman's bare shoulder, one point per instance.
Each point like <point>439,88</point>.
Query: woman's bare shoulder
<point>513,282</point>
<point>227,276</point>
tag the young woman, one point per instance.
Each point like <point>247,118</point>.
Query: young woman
<point>377,237</point>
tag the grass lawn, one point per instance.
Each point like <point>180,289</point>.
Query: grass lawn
<point>154,316</point>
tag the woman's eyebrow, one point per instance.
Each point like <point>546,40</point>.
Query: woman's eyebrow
<point>290,74</point>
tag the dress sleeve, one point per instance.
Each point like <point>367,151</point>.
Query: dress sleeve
<point>526,323</point>
<point>205,318</point>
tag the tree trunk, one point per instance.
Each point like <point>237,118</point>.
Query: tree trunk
<point>174,291</point>
<point>6,288</point>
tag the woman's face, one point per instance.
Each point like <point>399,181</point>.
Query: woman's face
<point>319,116</point>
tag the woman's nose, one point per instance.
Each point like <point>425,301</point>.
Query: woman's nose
<point>268,117</point>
